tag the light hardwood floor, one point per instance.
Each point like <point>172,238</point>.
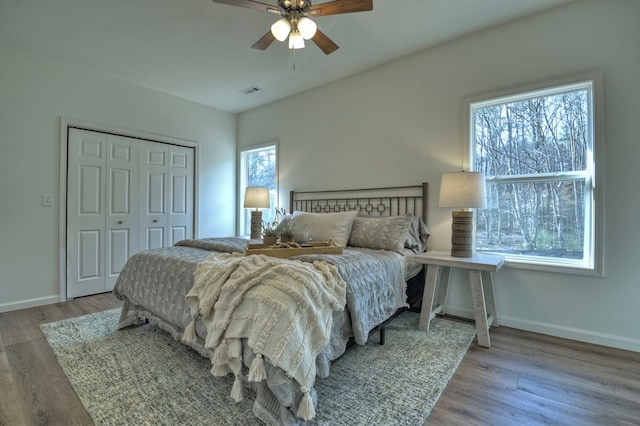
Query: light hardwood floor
<point>523,379</point>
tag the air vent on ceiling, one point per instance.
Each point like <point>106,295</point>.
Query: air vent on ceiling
<point>250,90</point>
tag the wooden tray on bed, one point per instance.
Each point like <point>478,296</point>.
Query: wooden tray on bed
<point>316,247</point>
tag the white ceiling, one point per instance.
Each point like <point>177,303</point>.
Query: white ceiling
<point>200,50</point>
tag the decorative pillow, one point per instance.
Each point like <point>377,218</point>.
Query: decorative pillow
<point>417,236</point>
<point>381,233</point>
<point>325,226</point>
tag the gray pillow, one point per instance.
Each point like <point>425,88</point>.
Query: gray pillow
<point>380,233</point>
<point>417,236</point>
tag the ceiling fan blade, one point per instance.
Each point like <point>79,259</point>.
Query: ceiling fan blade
<point>324,43</point>
<point>264,42</point>
<point>341,6</point>
<point>250,4</point>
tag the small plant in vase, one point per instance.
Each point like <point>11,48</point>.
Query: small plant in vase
<point>269,233</point>
<point>286,233</point>
<point>278,227</point>
<point>284,230</point>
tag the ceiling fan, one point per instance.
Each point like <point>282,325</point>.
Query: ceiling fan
<point>295,23</point>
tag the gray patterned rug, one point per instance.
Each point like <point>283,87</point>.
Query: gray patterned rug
<point>140,375</point>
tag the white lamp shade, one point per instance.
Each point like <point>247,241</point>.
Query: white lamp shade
<point>307,28</point>
<point>281,29</point>
<point>463,190</point>
<point>295,40</point>
<point>257,197</point>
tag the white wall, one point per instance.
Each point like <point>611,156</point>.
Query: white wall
<point>34,94</point>
<point>402,123</point>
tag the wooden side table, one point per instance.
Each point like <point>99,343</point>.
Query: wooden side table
<point>480,267</point>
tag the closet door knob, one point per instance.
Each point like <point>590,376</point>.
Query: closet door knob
<point>155,220</point>
<point>119,222</point>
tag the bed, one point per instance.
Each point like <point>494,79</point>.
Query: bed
<point>277,324</point>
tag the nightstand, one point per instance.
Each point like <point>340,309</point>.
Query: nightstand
<point>480,267</point>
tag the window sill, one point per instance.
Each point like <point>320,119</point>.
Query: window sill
<point>551,266</point>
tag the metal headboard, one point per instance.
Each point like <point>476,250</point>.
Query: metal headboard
<point>389,201</point>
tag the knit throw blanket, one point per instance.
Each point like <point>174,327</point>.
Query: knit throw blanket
<point>284,308</point>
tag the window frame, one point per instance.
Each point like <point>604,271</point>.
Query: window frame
<point>243,228</point>
<point>594,208</point>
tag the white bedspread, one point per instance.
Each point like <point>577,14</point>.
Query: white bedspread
<point>284,308</point>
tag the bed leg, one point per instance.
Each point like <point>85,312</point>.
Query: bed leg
<point>382,335</point>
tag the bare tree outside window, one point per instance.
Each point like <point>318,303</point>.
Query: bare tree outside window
<point>536,151</point>
<point>261,171</point>
<point>258,167</point>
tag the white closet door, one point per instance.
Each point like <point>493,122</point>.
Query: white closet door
<point>123,195</point>
<point>166,213</point>
<point>86,213</point>
<point>122,205</point>
<point>154,194</point>
<point>180,201</point>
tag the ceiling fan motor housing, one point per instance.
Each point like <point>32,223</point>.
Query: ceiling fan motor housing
<point>301,5</point>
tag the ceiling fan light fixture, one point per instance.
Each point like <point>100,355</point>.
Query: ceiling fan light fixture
<point>307,28</point>
<point>295,40</point>
<point>281,29</point>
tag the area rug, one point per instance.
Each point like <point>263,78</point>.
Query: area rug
<point>142,376</point>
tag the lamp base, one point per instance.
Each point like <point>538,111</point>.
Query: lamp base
<point>256,225</point>
<point>462,234</point>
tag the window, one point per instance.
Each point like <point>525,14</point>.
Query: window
<point>258,167</point>
<point>537,150</point>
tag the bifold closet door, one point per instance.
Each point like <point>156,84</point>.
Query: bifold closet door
<point>166,214</point>
<point>181,202</point>
<point>102,213</point>
<point>123,195</point>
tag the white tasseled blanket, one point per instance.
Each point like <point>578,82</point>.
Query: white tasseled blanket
<point>283,307</point>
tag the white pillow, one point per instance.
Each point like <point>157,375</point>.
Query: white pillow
<point>325,226</point>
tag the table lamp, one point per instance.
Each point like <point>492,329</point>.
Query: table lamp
<point>256,197</point>
<point>462,190</point>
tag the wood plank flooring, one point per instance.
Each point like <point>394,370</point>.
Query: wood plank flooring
<point>532,379</point>
<point>36,389</point>
<point>523,379</point>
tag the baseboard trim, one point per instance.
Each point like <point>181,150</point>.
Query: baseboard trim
<point>581,335</point>
<point>29,303</point>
